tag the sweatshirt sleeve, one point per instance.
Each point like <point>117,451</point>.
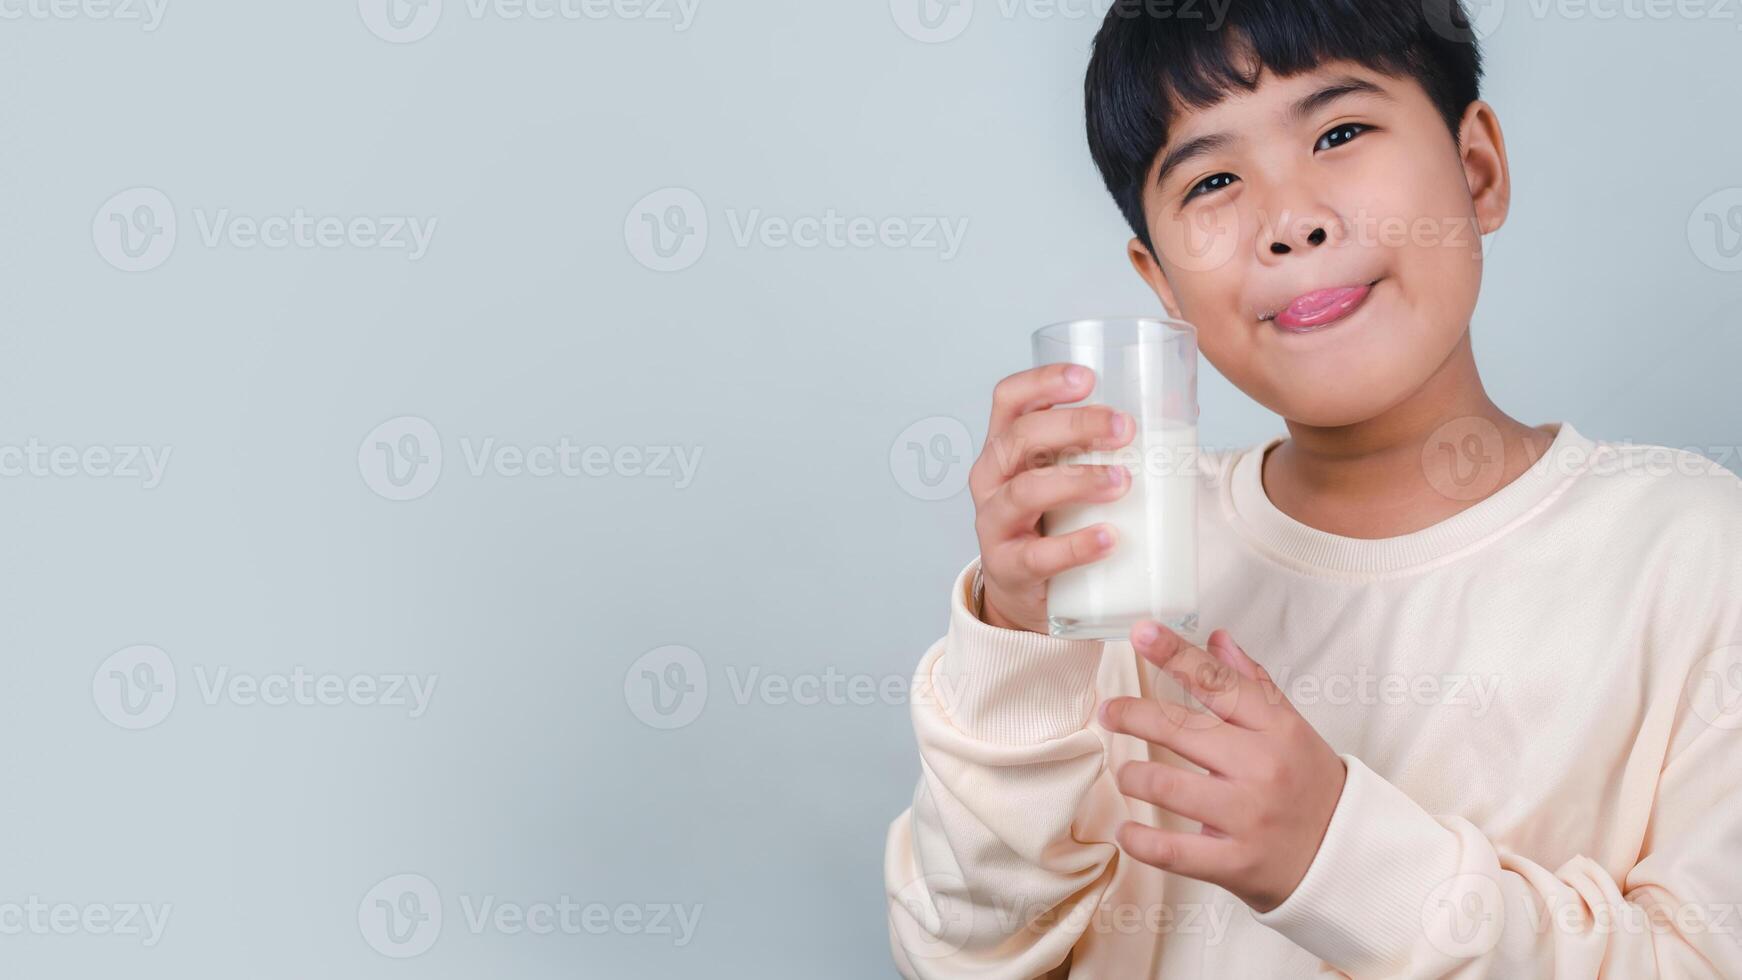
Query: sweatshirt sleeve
<point>1012,823</point>
<point>1395,891</point>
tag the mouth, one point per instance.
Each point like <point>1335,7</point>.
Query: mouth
<point>1320,308</point>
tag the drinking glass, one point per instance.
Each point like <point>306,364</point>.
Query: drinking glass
<point>1147,368</point>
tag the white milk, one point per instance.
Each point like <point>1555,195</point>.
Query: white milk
<point>1152,572</point>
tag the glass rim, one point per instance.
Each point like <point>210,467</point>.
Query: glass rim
<point>1060,332</point>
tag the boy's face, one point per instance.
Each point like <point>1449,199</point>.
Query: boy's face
<point>1323,233</point>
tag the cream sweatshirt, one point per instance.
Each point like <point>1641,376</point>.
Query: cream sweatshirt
<point>1539,701</point>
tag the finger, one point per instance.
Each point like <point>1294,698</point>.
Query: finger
<point>1035,389</point>
<point>1200,856</point>
<point>1217,686</point>
<point>1042,438</point>
<point>1222,644</point>
<point>1016,507</point>
<point>1196,736</point>
<point>1194,795</point>
<point>1043,558</point>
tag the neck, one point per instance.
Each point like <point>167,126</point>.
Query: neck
<point>1381,477</point>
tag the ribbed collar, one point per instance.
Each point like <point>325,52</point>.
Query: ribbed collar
<point>1314,550</point>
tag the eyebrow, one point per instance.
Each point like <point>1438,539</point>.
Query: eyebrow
<point>1337,88</point>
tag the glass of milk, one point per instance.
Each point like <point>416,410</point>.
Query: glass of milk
<point>1148,369</point>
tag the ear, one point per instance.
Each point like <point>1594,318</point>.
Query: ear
<point>1482,149</point>
<point>1149,270</point>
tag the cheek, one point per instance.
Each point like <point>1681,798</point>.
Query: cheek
<point>1440,262</point>
<point>1420,216</point>
<point>1420,221</point>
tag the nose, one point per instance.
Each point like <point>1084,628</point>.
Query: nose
<point>1315,238</point>
<point>1305,233</point>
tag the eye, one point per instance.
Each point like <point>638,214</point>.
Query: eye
<point>1342,134</point>
<point>1214,182</point>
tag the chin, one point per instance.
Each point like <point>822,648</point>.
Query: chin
<point>1346,402</point>
<point>1331,414</point>
<point>1355,383</point>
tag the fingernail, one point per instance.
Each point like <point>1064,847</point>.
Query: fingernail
<point>1076,374</point>
<point>1115,475</point>
<point>1144,634</point>
<point>1103,538</point>
<point>1121,425</point>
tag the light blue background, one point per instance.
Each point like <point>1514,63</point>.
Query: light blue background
<point>798,549</point>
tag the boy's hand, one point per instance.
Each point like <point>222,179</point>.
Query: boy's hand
<point>1015,480</point>
<point>1272,782</point>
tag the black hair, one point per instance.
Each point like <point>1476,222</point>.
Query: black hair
<point>1151,56</point>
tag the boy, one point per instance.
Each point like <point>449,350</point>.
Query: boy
<point>1497,728</point>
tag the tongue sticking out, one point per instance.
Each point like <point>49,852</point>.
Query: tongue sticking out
<point>1321,306</point>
